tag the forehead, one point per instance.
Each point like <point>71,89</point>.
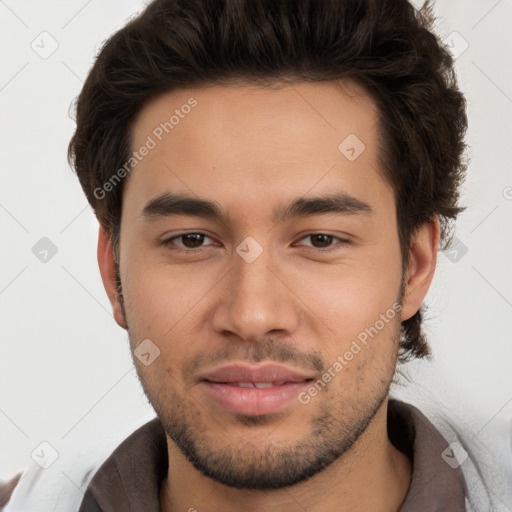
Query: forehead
<point>257,141</point>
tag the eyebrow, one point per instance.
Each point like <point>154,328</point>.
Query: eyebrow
<point>169,204</point>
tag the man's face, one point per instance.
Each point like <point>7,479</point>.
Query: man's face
<point>249,289</point>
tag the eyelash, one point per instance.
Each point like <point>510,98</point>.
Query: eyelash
<point>170,242</point>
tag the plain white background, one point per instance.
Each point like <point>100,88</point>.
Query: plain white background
<point>66,374</point>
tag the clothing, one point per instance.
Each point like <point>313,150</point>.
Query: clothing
<point>130,477</point>
<point>7,488</point>
<point>435,486</point>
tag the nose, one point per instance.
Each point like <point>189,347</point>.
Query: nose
<point>255,300</point>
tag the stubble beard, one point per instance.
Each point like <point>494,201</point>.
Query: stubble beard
<point>333,430</point>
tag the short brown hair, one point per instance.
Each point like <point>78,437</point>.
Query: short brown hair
<point>386,46</point>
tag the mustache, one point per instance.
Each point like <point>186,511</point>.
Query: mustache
<point>276,351</point>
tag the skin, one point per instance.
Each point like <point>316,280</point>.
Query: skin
<point>252,150</point>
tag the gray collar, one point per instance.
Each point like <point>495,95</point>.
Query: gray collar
<point>435,485</point>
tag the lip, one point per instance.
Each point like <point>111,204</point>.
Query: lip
<point>261,372</point>
<point>287,383</point>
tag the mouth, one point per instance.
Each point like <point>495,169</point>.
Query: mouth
<point>258,385</point>
<point>254,389</point>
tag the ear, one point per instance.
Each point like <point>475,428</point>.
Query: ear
<point>422,264</point>
<point>108,274</point>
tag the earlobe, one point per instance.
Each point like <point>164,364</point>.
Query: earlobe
<point>107,266</point>
<point>422,265</point>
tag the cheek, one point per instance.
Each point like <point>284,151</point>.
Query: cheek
<point>357,317</point>
<point>352,296</point>
<point>162,302</point>
<point>156,309</point>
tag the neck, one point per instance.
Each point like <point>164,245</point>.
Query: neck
<point>372,475</point>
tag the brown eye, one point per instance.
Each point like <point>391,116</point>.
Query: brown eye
<point>189,241</point>
<point>324,241</point>
<point>192,240</point>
